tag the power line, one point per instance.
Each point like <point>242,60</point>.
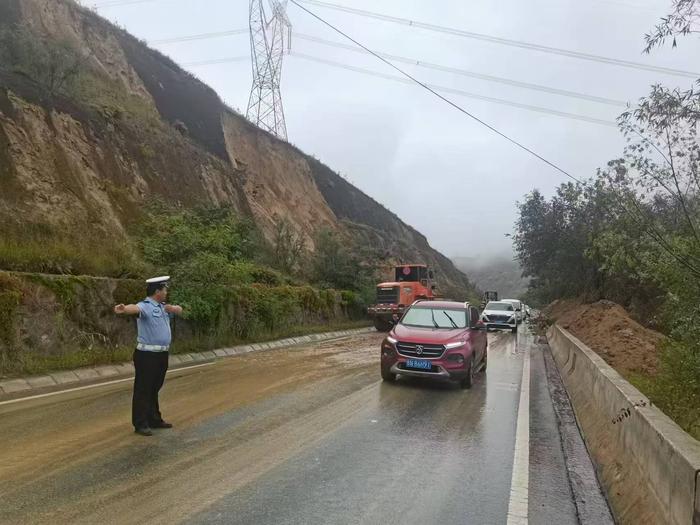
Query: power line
<point>505,41</point>
<point>117,3</point>
<point>226,60</point>
<point>414,62</point>
<point>464,72</point>
<point>200,36</point>
<point>395,78</point>
<point>470,34</point>
<point>460,92</point>
<point>441,97</point>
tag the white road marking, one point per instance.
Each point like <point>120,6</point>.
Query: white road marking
<point>96,385</point>
<point>518,503</point>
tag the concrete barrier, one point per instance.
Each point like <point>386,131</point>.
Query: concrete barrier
<point>648,465</point>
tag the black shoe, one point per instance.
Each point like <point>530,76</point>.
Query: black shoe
<point>143,431</point>
<point>161,424</point>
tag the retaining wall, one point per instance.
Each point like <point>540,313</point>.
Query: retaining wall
<point>46,317</point>
<point>648,465</point>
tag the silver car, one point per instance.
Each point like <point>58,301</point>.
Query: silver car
<point>518,306</point>
<point>500,314</point>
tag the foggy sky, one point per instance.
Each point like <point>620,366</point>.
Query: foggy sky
<point>446,175</point>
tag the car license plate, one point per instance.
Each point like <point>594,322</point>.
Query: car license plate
<point>421,364</point>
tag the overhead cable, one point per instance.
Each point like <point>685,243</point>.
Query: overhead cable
<point>505,41</point>
<point>460,92</point>
<point>438,95</point>
<point>200,36</point>
<point>414,62</point>
<point>467,73</point>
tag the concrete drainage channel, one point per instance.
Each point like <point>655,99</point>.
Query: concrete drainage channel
<point>15,388</point>
<point>649,466</point>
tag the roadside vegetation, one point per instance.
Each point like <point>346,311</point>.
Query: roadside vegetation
<point>631,233</point>
<point>218,260</point>
<point>236,287</point>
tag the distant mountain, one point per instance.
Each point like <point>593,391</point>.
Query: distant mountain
<point>499,273</point>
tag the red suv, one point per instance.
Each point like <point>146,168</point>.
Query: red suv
<point>436,339</point>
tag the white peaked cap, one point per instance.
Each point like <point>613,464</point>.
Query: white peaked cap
<point>158,279</point>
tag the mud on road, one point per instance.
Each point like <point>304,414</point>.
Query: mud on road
<point>301,435</point>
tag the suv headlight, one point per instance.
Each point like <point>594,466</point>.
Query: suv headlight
<point>484,317</point>
<point>450,346</point>
<point>512,319</point>
<point>389,347</point>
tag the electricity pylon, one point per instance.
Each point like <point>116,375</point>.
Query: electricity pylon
<point>270,37</point>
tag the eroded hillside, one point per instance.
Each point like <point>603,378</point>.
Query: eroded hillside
<point>124,126</point>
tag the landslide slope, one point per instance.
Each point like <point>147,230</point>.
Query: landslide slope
<point>80,158</point>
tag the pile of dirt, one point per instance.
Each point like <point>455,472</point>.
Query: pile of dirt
<point>608,329</point>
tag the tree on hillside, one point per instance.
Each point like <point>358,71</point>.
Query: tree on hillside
<point>553,238</point>
<point>335,264</point>
<point>332,265</point>
<point>288,246</point>
<point>52,65</point>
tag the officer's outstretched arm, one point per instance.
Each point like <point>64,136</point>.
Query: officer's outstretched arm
<point>173,309</point>
<point>127,309</point>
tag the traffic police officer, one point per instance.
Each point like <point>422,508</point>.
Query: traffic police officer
<point>151,354</point>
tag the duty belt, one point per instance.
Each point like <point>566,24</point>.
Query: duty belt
<point>152,348</point>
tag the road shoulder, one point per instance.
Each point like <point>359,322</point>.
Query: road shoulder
<point>591,505</point>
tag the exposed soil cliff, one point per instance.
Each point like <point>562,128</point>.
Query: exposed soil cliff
<point>129,127</point>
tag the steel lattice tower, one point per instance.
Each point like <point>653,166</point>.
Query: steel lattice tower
<point>270,37</point>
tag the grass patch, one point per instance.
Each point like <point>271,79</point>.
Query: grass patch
<point>56,255</point>
<point>113,101</point>
<point>10,300</point>
<point>675,390</point>
<point>28,364</point>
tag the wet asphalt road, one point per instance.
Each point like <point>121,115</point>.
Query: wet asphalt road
<point>308,435</point>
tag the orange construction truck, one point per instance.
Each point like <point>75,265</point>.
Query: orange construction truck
<point>411,282</point>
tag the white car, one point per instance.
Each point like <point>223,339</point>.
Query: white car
<point>500,314</point>
<point>518,306</point>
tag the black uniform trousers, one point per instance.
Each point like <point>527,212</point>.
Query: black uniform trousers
<point>150,375</point>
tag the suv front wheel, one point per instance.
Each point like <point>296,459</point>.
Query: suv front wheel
<point>468,381</point>
<point>388,376</point>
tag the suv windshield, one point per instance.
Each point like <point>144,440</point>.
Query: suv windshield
<point>506,307</point>
<point>435,318</point>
